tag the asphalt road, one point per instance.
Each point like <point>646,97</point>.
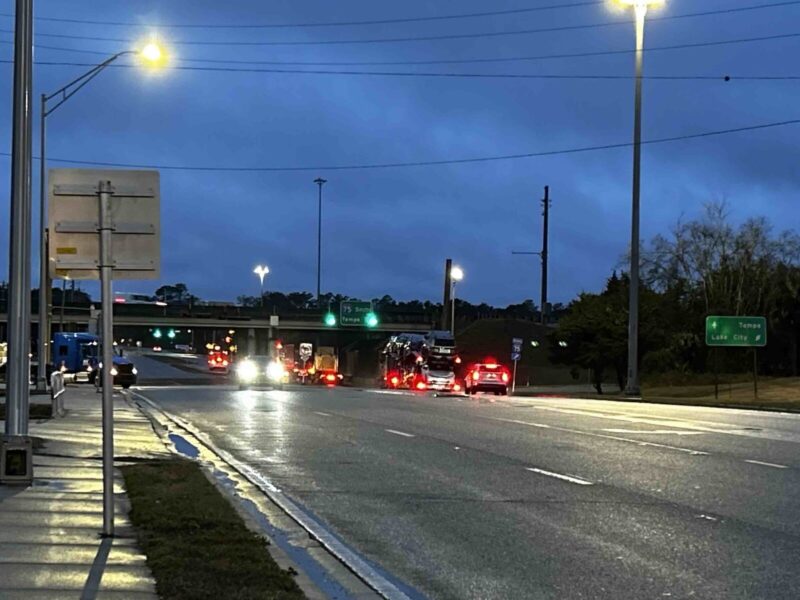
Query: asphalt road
<point>529,498</point>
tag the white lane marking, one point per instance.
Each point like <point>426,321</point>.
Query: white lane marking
<point>602,435</point>
<point>707,517</point>
<point>766,464</point>
<point>324,414</point>
<point>655,431</point>
<point>720,428</point>
<point>569,478</point>
<point>403,433</point>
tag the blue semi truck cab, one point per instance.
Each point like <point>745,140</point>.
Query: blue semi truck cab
<point>80,354</point>
<point>75,352</point>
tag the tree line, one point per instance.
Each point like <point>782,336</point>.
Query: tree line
<point>707,266</point>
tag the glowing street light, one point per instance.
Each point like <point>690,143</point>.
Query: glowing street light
<point>262,271</point>
<point>640,8</point>
<point>151,54</point>
<point>456,275</point>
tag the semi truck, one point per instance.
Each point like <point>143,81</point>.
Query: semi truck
<point>420,362</point>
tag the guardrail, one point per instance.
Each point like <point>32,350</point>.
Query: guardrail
<point>57,388</point>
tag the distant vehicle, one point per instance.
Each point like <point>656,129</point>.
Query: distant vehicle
<point>260,370</point>
<point>123,371</point>
<point>127,298</point>
<point>326,366</point>
<point>488,376</point>
<point>219,360</point>
<point>156,348</point>
<point>184,348</point>
<point>75,352</point>
<point>421,362</point>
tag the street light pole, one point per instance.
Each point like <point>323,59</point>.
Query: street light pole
<point>456,275</point>
<point>151,53</point>
<point>632,387</point>
<point>19,314</point>
<point>320,182</point>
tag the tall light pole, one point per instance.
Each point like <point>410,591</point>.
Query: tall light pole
<point>456,275</point>
<point>632,386</point>
<point>151,54</point>
<point>261,271</point>
<point>320,182</point>
<point>19,263</point>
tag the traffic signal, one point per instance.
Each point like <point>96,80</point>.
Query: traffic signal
<point>171,334</point>
<point>371,319</point>
<point>157,333</point>
<point>330,320</point>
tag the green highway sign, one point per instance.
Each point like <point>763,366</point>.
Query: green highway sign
<point>354,313</point>
<point>736,331</point>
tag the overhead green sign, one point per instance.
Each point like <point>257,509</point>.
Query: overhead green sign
<point>354,313</point>
<point>736,331</point>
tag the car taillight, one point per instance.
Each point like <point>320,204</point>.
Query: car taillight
<point>505,377</point>
<point>421,385</point>
<point>456,388</point>
<point>394,381</point>
<point>330,377</point>
<point>224,363</point>
<point>475,376</point>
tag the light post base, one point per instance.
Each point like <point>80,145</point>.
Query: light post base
<point>16,460</point>
<point>633,391</point>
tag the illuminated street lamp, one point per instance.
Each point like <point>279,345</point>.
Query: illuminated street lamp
<point>261,271</point>
<point>456,275</point>
<point>151,54</point>
<point>640,8</point>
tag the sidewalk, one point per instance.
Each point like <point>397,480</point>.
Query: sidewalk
<point>49,532</point>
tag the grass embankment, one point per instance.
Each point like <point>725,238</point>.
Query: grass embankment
<point>35,411</point>
<point>196,544</point>
<point>736,391</point>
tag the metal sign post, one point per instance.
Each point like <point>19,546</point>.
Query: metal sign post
<point>105,225</point>
<point>516,354</point>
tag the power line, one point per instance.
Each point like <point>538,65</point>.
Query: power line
<point>428,163</point>
<point>456,36</point>
<point>495,13</point>
<point>593,76</point>
<point>781,36</point>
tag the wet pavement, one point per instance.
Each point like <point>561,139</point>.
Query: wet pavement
<point>528,498</point>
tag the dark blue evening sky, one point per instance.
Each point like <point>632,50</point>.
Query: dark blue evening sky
<point>388,231</point>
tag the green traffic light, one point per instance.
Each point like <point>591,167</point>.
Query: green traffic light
<point>156,333</point>
<point>330,319</point>
<point>371,319</point>
<point>171,334</point>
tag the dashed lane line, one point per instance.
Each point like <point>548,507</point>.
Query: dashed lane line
<point>402,433</point>
<point>569,478</point>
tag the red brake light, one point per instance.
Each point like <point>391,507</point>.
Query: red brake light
<point>119,300</point>
<point>505,377</point>
<point>224,363</point>
<point>456,388</point>
<point>394,380</point>
<point>475,376</point>
<point>490,365</point>
<point>330,377</point>
<point>458,360</point>
<point>421,385</point>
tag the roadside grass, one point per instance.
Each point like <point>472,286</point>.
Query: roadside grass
<point>773,392</point>
<point>196,544</point>
<point>35,411</point>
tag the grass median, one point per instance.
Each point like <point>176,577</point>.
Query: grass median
<point>196,543</point>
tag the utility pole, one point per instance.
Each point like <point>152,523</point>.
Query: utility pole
<point>544,253</point>
<point>320,182</point>
<point>546,215</point>
<point>448,288</point>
